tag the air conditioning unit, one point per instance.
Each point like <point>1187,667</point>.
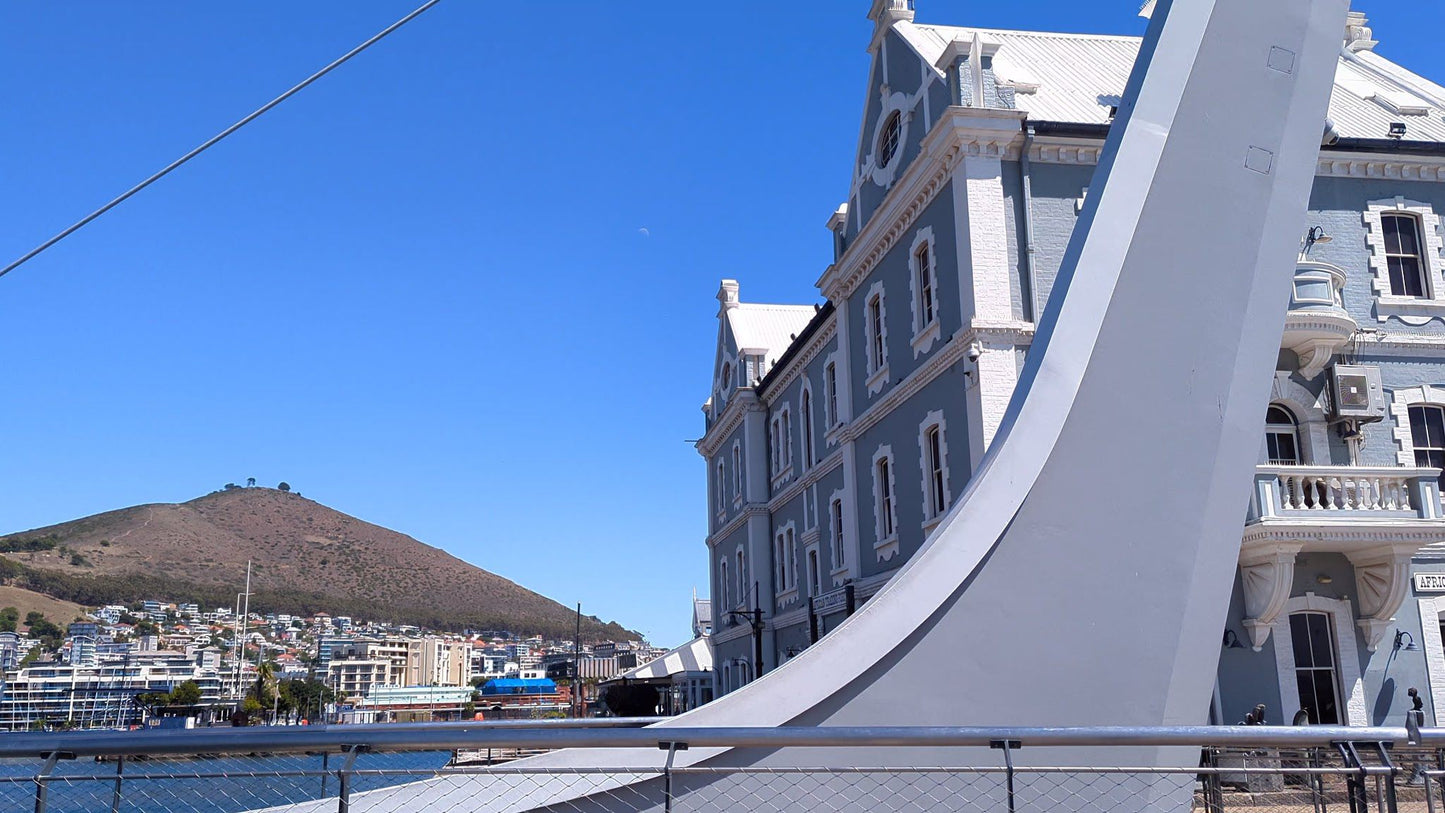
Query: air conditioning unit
<point>1356,393</point>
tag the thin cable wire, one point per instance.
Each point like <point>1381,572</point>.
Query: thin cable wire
<point>217,138</point>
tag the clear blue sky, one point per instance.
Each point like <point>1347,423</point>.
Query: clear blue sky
<point>420,291</point>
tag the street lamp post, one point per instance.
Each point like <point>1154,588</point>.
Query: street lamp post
<point>754,619</point>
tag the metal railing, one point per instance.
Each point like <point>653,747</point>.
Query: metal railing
<point>465,767</point>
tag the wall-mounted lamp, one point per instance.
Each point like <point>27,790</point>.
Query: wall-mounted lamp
<point>1316,236</point>
<point>1405,641</point>
<point>1231,641</point>
<point>1324,578</point>
<point>1397,129</point>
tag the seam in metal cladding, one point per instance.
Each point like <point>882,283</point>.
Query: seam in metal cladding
<point>1048,555</point>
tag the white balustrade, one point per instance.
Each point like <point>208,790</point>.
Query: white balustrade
<point>1340,489</point>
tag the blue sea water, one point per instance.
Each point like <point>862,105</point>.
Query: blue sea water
<point>251,783</point>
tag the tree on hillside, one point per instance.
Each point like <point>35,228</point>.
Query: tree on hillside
<point>285,486</point>
<point>9,619</point>
<point>250,482</point>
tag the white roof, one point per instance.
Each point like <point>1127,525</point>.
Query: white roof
<point>693,656</point>
<point>1080,76</point>
<point>768,328</point>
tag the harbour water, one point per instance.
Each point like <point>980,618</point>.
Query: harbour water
<point>193,786</point>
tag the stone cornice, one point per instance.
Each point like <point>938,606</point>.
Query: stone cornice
<point>731,527</point>
<point>1357,532</point>
<point>1384,167</point>
<point>744,399</point>
<point>1377,341</point>
<point>960,132</point>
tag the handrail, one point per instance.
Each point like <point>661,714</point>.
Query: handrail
<point>470,736</point>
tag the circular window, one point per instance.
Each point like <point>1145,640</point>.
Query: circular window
<point>888,139</point>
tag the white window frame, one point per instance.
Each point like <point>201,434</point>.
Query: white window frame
<point>838,537</point>
<point>933,513</point>
<point>1352,684</point>
<point>830,393</point>
<point>782,444</point>
<point>721,492</point>
<point>725,585</point>
<point>813,570</point>
<point>1400,403</point>
<point>875,338</point>
<point>785,563</point>
<point>737,474</point>
<point>1410,310</point>
<point>807,440</point>
<point>926,331</point>
<point>885,545</point>
<point>741,558</point>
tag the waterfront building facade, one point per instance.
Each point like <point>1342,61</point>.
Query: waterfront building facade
<point>98,696</point>
<point>838,435</point>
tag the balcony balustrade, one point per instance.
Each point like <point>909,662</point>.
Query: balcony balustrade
<point>1345,492</point>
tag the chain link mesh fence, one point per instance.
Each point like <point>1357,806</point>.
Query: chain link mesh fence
<point>1315,780</point>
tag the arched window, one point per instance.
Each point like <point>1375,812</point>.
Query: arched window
<point>1312,638</point>
<point>724,585</point>
<point>807,424</point>
<point>888,139</point>
<point>742,577</point>
<point>1281,437</point>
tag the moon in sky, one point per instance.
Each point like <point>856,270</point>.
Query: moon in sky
<point>644,232</point>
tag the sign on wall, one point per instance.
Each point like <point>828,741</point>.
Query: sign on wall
<point>1430,582</point>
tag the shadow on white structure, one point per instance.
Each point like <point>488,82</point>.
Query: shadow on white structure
<point>1052,594</point>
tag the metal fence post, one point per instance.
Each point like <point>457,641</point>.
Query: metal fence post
<point>115,791</point>
<point>672,748</point>
<point>343,777</point>
<point>1213,788</point>
<point>1007,747</point>
<point>42,780</point>
<point>325,771</point>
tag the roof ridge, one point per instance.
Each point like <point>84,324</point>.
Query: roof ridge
<point>1021,31</point>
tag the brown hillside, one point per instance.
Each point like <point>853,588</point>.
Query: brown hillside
<point>308,558</point>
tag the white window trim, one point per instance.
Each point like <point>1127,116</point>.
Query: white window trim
<point>885,547</point>
<point>815,550</point>
<point>741,578</point>
<point>720,492</point>
<point>737,457</point>
<point>1400,403</point>
<point>807,437</point>
<point>891,103</point>
<point>931,518</point>
<point>925,334</point>
<point>832,415</point>
<point>877,374</point>
<point>838,538</point>
<point>782,446</point>
<point>1431,609</point>
<point>1314,434</point>
<point>724,584</point>
<point>1407,309</point>
<point>786,593</point>
<point>1347,667</point>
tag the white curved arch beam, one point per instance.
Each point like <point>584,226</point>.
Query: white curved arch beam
<point>1083,577</point>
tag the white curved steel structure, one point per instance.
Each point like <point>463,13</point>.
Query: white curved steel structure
<point>1052,594</point>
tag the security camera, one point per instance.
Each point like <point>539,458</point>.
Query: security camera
<point>974,352</point>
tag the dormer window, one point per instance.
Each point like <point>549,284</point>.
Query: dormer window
<point>889,138</point>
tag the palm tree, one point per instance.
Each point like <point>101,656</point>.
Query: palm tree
<point>263,690</point>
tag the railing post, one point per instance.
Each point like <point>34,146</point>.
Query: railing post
<point>115,792</point>
<point>343,777</point>
<point>1213,788</point>
<point>1007,747</point>
<point>42,779</point>
<point>325,771</point>
<point>672,748</point>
